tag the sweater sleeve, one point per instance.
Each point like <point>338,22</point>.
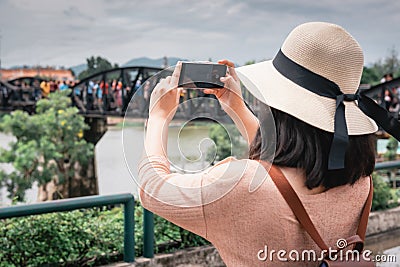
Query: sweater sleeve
<point>176,197</point>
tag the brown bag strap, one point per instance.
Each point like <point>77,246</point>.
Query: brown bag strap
<point>295,204</point>
<point>298,209</point>
<point>362,226</point>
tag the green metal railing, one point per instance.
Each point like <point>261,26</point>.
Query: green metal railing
<point>148,234</point>
<point>387,165</point>
<point>82,203</point>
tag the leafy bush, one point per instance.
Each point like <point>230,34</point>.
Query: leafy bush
<point>81,238</point>
<point>228,142</point>
<point>384,197</point>
<point>67,238</point>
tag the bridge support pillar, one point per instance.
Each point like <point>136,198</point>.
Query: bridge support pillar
<point>98,127</point>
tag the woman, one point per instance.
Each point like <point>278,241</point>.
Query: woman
<point>322,142</point>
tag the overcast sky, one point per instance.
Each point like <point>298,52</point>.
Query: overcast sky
<point>55,32</point>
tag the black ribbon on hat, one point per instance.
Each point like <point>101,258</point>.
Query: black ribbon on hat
<point>323,87</point>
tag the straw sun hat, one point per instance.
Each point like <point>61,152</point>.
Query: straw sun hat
<point>315,78</point>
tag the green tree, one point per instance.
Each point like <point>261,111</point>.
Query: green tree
<point>250,62</point>
<point>371,75</point>
<point>228,142</point>
<point>391,154</point>
<point>390,64</point>
<point>49,148</point>
<point>94,65</point>
<point>391,149</point>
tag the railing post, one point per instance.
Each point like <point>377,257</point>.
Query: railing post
<point>129,231</point>
<point>148,234</point>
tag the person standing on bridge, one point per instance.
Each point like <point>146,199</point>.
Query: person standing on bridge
<point>45,86</point>
<point>314,129</point>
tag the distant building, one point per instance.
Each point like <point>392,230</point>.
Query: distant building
<point>50,73</point>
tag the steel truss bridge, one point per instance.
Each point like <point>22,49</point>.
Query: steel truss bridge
<point>126,92</point>
<point>115,92</point>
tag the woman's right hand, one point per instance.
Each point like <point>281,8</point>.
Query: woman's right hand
<point>164,99</point>
<point>230,96</point>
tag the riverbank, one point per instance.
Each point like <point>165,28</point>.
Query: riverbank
<point>383,221</point>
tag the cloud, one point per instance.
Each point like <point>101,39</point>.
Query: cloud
<point>73,12</point>
<point>67,32</point>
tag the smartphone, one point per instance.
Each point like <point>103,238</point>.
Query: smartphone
<point>201,75</point>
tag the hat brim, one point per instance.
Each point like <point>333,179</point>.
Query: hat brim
<point>275,90</point>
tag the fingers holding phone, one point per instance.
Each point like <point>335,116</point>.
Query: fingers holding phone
<point>230,96</point>
<point>218,79</point>
<point>201,75</point>
<point>164,99</point>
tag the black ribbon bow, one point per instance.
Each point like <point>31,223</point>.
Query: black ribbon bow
<point>324,87</point>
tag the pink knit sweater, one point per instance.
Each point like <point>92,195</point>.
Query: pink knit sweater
<point>236,206</point>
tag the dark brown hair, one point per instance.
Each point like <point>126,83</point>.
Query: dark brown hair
<point>303,146</point>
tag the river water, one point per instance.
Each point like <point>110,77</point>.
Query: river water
<point>119,151</point>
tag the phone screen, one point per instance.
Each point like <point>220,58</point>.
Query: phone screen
<point>201,75</point>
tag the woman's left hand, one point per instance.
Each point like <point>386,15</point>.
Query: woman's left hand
<point>164,99</point>
<point>230,96</point>
<point>231,100</point>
